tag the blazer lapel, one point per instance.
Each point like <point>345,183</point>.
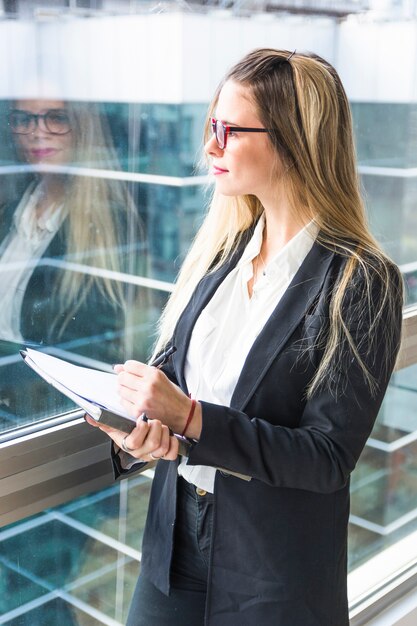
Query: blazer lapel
<point>202,295</point>
<point>6,220</point>
<point>287,315</point>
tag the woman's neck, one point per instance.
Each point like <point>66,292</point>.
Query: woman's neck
<point>51,193</point>
<point>281,225</point>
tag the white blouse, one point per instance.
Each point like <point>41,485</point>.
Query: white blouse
<point>20,253</point>
<point>228,326</point>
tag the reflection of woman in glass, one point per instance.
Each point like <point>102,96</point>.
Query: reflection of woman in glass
<point>60,219</point>
<point>286,318</point>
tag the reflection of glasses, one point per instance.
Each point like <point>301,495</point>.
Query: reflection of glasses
<point>55,122</point>
<point>221,131</point>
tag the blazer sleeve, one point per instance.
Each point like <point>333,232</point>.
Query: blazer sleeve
<point>119,459</point>
<point>321,452</point>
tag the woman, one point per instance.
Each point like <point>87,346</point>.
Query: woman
<point>63,217</point>
<point>286,318</point>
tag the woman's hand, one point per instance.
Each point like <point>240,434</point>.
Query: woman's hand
<point>146,389</point>
<point>148,440</point>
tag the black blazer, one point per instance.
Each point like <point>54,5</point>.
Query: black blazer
<point>46,321</point>
<point>96,327</point>
<point>279,541</point>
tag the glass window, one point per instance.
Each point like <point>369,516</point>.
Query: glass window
<point>387,153</point>
<point>78,230</point>
<point>76,564</point>
<point>384,485</point>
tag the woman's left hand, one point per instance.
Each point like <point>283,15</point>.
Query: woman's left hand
<point>146,389</point>
<point>148,441</point>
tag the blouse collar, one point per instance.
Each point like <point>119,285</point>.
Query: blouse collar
<point>289,258</point>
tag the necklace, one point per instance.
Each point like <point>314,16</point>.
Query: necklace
<point>263,263</point>
<point>256,267</point>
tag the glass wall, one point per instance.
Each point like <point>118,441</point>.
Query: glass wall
<point>384,485</point>
<point>101,192</point>
<point>76,287</point>
<point>76,564</point>
<point>386,134</point>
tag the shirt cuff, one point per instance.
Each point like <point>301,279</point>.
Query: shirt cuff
<point>126,460</point>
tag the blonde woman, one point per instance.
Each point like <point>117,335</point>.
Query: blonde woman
<point>286,318</point>
<point>61,239</point>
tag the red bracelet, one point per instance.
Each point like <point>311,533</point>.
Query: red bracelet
<point>190,417</point>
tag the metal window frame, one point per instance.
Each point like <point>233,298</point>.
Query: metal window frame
<point>378,599</point>
<point>47,464</point>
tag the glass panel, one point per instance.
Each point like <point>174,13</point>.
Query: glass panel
<point>77,564</point>
<point>387,152</point>
<point>396,146</point>
<point>384,485</point>
<point>79,290</point>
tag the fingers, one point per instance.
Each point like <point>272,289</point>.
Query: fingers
<point>140,431</point>
<point>173,450</point>
<point>92,422</point>
<point>149,440</point>
<point>168,450</point>
<point>136,368</point>
<point>163,445</point>
<point>131,400</point>
<point>158,442</point>
<point>141,388</point>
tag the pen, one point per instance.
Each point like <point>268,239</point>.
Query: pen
<point>163,358</point>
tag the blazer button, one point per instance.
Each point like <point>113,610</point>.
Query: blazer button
<point>200,492</point>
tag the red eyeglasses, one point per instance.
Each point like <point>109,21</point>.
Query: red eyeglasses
<point>221,131</point>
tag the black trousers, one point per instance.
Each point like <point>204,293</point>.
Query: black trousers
<point>189,568</point>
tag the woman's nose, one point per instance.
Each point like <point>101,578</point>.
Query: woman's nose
<point>211,148</point>
<point>38,131</point>
<point>39,128</point>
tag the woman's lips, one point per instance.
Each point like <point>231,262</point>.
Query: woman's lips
<point>41,153</point>
<point>218,170</point>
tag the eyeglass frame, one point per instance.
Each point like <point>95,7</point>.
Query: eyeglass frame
<point>35,117</point>
<point>227,129</point>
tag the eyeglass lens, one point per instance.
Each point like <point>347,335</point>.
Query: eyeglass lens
<point>220,132</point>
<point>54,121</point>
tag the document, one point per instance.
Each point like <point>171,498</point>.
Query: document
<point>95,392</point>
<point>92,390</point>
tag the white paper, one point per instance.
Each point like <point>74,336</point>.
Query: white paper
<point>98,388</point>
<point>92,385</point>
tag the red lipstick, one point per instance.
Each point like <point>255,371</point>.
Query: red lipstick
<point>218,170</point>
<point>41,153</point>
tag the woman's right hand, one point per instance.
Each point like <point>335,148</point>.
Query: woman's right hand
<point>148,441</point>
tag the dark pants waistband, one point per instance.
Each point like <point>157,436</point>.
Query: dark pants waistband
<point>187,487</point>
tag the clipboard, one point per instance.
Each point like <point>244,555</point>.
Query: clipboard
<point>116,417</point>
<point>95,392</point>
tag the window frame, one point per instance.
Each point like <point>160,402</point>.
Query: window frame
<point>49,463</point>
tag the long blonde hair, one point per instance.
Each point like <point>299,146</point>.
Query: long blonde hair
<point>302,99</point>
<point>100,216</point>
